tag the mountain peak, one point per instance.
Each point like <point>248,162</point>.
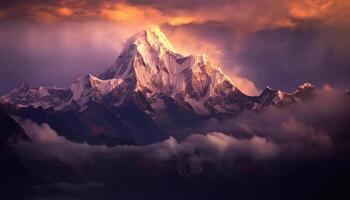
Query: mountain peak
<point>151,37</point>
<point>156,38</point>
<point>150,63</point>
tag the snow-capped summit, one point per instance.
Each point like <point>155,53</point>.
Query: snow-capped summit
<point>154,37</point>
<point>150,62</point>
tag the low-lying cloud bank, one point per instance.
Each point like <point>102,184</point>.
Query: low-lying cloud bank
<point>302,130</point>
<point>315,126</point>
<point>210,147</point>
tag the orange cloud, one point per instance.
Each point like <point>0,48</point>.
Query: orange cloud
<point>181,20</point>
<point>131,14</point>
<point>143,15</point>
<point>245,85</point>
<point>186,44</point>
<point>247,16</point>
<point>283,23</point>
<point>309,8</point>
<point>65,11</point>
<point>45,16</point>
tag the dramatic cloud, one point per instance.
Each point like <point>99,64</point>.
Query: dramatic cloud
<point>277,43</point>
<point>256,15</point>
<point>279,153</point>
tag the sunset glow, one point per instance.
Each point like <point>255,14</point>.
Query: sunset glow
<point>174,99</point>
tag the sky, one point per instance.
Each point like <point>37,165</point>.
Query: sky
<point>258,43</point>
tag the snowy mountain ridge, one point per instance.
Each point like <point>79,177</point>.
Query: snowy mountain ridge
<point>149,64</point>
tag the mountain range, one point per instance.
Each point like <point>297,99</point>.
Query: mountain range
<point>149,92</point>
